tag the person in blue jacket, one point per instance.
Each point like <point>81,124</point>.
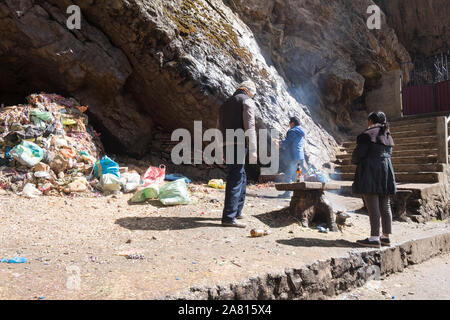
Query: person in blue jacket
<point>292,152</point>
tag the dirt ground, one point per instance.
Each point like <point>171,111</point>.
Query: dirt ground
<point>74,245</point>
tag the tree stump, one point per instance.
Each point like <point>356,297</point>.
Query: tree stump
<point>309,203</point>
<point>399,205</point>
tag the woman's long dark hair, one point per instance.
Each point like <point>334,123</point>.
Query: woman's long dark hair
<point>380,119</point>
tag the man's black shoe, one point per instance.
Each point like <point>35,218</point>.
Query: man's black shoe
<point>368,243</point>
<point>385,242</point>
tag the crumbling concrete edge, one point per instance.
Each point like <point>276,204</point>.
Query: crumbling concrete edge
<point>324,279</point>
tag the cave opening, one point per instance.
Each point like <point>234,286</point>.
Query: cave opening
<point>22,76</point>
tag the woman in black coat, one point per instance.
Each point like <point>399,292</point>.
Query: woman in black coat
<point>374,178</point>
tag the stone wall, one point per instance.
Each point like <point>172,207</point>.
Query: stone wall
<point>325,278</point>
<point>388,97</point>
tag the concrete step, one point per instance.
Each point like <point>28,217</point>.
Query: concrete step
<point>424,139</point>
<point>398,167</point>
<point>398,160</point>
<point>414,133</point>
<point>403,140</point>
<point>414,127</point>
<point>401,177</point>
<point>350,146</point>
<point>407,121</point>
<point>400,153</point>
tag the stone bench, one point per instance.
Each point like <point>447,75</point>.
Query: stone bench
<point>308,202</point>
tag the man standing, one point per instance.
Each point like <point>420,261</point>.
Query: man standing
<point>238,112</point>
<point>292,152</point>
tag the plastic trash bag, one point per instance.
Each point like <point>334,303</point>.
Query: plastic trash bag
<point>106,166</point>
<point>42,115</point>
<point>216,184</point>
<point>78,185</point>
<point>155,175</point>
<point>27,153</point>
<point>110,182</point>
<point>30,191</point>
<point>131,181</point>
<point>174,193</point>
<point>14,260</point>
<point>177,176</point>
<point>148,193</point>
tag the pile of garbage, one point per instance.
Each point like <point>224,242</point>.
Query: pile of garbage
<point>47,146</point>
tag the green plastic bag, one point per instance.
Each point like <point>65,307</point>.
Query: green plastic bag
<point>148,193</point>
<point>27,153</point>
<point>174,193</point>
<point>40,118</point>
<point>43,115</point>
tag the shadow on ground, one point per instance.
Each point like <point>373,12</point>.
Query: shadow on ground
<point>322,243</point>
<point>277,219</point>
<point>164,223</point>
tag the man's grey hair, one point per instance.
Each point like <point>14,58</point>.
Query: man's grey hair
<point>250,86</point>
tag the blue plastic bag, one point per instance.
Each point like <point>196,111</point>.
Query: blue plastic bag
<point>106,166</point>
<point>14,260</point>
<point>176,176</point>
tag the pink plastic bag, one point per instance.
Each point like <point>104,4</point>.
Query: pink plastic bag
<point>155,176</point>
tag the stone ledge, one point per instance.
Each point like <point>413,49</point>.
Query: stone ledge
<point>325,278</point>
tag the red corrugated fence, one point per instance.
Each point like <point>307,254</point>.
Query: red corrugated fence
<point>443,96</point>
<point>428,98</point>
<point>418,99</point>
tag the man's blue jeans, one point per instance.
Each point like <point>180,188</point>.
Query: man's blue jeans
<point>235,191</point>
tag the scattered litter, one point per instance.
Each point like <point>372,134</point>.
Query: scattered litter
<point>259,233</point>
<point>176,176</point>
<point>174,193</point>
<point>129,252</point>
<point>155,176</point>
<point>236,264</point>
<point>146,193</point>
<point>135,257</point>
<point>322,228</point>
<point>217,184</point>
<point>30,191</point>
<point>14,260</point>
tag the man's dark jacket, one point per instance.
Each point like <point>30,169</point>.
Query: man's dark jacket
<point>374,172</point>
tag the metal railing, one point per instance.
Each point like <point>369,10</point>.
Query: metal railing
<point>448,133</point>
<point>443,138</point>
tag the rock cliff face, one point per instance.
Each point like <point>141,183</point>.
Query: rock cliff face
<point>325,52</point>
<point>422,26</point>
<point>138,63</point>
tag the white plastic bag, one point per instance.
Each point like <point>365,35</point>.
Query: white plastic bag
<point>110,182</point>
<point>30,191</point>
<point>131,181</point>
